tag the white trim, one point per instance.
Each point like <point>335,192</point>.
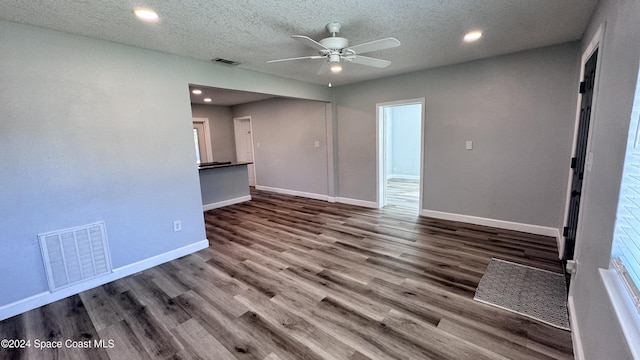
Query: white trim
<point>626,313</point>
<point>380,151</point>
<point>331,199</point>
<point>594,44</point>
<point>559,243</point>
<point>356,202</point>
<point>403,176</point>
<point>578,351</point>
<point>502,224</point>
<point>236,124</point>
<point>223,203</point>
<point>44,298</point>
<point>293,192</point>
<point>208,145</point>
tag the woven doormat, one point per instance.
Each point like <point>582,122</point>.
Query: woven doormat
<point>535,293</point>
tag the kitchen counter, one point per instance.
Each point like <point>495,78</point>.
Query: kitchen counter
<point>223,184</point>
<point>220,164</point>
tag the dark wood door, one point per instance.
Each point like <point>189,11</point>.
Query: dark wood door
<point>578,162</point>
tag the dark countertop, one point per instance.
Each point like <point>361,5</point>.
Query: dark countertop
<point>220,164</point>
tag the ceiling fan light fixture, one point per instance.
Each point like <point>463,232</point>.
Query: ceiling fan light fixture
<point>146,14</point>
<point>335,67</point>
<point>473,36</point>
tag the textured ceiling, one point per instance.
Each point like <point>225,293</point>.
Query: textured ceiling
<point>254,31</point>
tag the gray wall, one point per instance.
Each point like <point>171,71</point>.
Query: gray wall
<point>91,130</point>
<point>221,126</point>
<point>405,140</point>
<point>519,111</point>
<point>286,130</point>
<point>619,57</point>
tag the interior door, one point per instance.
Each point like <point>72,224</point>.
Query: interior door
<point>579,160</point>
<point>244,145</point>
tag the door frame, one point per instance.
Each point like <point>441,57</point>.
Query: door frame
<point>236,126</point>
<point>207,137</point>
<point>380,148</point>
<point>594,44</point>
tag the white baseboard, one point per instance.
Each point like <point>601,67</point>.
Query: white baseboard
<point>401,176</point>
<point>356,202</point>
<point>220,204</point>
<point>331,199</point>
<point>293,192</point>
<point>502,224</point>
<point>44,298</point>
<point>578,352</point>
<point>560,242</point>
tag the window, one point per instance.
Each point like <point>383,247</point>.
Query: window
<point>202,140</point>
<point>625,253</point>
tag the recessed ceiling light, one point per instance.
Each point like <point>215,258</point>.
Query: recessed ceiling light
<point>196,91</point>
<point>146,14</point>
<point>207,99</point>
<point>473,36</point>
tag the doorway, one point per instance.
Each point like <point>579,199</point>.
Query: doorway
<point>244,145</point>
<point>400,142</point>
<point>582,158</point>
<point>202,140</point>
<point>579,159</point>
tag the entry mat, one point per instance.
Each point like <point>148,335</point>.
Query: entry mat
<point>535,293</point>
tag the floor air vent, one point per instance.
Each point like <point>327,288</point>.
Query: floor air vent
<point>75,255</point>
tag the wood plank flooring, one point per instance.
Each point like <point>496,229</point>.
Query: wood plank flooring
<point>403,193</point>
<point>293,278</point>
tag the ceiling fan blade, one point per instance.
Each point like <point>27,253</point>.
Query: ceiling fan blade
<point>375,45</point>
<point>324,68</point>
<point>309,42</point>
<point>298,58</point>
<point>369,61</point>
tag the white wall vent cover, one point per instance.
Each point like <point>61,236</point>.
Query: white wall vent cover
<point>75,255</point>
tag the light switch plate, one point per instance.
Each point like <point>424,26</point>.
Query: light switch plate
<point>316,143</point>
<point>469,145</point>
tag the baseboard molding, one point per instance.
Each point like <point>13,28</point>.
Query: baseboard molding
<point>502,224</point>
<point>220,204</point>
<point>44,298</point>
<point>356,202</point>
<point>560,242</point>
<point>293,192</point>
<point>404,177</point>
<point>578,352</point>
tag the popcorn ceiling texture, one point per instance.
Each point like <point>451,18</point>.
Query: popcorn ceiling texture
<point>254,31</point>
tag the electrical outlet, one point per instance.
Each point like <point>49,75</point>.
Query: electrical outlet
<point>177,225</point>
<point>316,143</point>
<point>469,145</point>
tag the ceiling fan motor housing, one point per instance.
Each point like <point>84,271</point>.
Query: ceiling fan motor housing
<point>335,43</point>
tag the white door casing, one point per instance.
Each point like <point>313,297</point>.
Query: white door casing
<point>204,138</point>
<point>244,145</point>
<point>381,151</point>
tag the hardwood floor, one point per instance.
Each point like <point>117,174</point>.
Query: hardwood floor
<point>403,193</point>
<point>293,278</point>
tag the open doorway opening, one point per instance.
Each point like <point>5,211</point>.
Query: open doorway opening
<point>244,145</point>
<point>400,149</point>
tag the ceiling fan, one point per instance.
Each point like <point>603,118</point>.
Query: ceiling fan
<point>335,49</point>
